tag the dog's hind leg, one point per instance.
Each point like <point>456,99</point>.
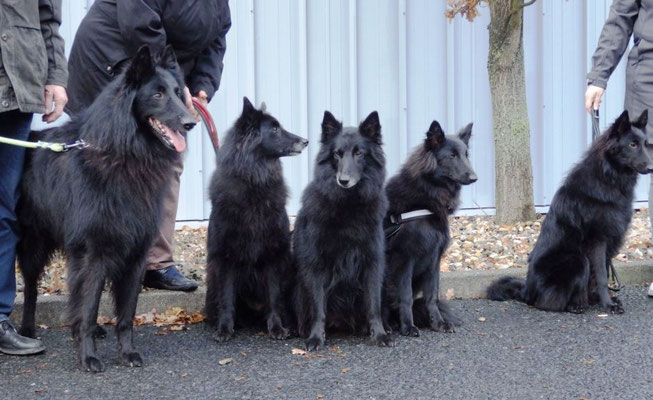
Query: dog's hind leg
<point>598,267</point>
<point>33,256</point>
<point>405,285</point>
<point>580,297</point>
<point>273,285</point>
<point>86,283</point>
<point>373,280</point>
<point>125,292</point>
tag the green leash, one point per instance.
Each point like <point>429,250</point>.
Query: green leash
<point>56,147</point>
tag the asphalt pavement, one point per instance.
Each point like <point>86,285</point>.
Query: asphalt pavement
<point>503,351</point>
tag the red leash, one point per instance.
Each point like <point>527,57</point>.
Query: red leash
<point>208,123</point>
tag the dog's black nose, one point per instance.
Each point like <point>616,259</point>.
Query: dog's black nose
<point>343,182</point>
<point>190,125</point>
<point>304,142</point>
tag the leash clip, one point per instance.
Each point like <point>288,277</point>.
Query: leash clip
<point>79,144</point>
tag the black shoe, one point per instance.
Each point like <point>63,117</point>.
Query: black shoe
<point>169,278</point>
<point>12,343</point>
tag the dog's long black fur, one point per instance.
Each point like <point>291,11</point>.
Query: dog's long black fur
<point>430,180</point>
<point>249,266</point>
<point>101,204</point>
<point>585,226</point>
<point>338,238</point>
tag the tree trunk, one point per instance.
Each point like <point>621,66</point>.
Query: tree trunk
<point>512,148</point>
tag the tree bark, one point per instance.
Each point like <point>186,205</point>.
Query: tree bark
<point>512,149</point>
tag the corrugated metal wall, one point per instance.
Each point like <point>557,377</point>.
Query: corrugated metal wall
<point>404,59</point>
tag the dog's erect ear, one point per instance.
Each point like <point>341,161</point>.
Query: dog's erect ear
<point>642,120</point>
<point>466,133</point>
<point>621,125</point>
<point>248,107</point>
<point>435,136</point>
<point>371,127</point>
<point>141,66</point>
<point>263,107</point>
<point>168,58</point>
<point>331,127</point>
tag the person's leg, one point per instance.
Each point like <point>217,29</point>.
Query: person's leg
<point>15,125</point>
<point>639,97</point>
<point>162,272</point>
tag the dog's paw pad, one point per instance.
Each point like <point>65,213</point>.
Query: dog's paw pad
<point>133,359</point>
<point>576,309</point>
<point>279,333</point>
<point>314,343</point>
<point>446,327</point>
<point>384,340</point>
<point>410,331</point>
<point>92,364</point>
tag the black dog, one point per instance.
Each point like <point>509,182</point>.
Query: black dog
<point>422,196</point>
<point>101,204</point>
<point>585,226</point>
<point>338,238</point>
<point>249,238</point>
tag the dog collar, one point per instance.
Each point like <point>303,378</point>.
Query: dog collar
<point>409,216</point>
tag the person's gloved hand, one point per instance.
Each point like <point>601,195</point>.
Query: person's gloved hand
<point>593,97</point>
<point>55,99</point>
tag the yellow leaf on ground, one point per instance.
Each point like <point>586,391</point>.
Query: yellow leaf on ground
<point>226,361</point>
<point>298,352</point>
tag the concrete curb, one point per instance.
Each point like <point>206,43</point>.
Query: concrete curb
<point>52,310</point>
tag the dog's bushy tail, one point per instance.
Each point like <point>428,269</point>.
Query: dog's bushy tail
<point>507,288</point>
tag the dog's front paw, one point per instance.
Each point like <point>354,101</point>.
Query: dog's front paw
<point>92,364</point>
<point>314,343</point>
<point>278,332</point>
<point>575,308</point>
<point>223,334</point>
<point>27,331</point>
<point>616,307</point>
<point>443,326</point>
<point>384,340</point>
<point>99,332</point>
<point>409,330</point>
<point>132,359</point>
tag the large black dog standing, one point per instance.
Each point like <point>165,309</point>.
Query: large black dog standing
<point>101,204</point>
<point>585,226</point>
<point>422,196</point>
<point>338,238</point>
<point>249,260</point>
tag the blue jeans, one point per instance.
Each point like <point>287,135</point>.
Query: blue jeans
<point>15,125</point>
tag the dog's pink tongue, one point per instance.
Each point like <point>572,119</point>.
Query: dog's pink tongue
<point>177,140</point>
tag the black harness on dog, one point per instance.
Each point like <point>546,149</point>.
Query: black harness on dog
<point>612,272</point>
<point>392,223</point>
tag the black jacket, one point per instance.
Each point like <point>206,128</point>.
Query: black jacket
<point>113,30</point>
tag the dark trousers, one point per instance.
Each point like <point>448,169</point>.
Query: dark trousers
<point>15,125</point>
<point>639,93</point>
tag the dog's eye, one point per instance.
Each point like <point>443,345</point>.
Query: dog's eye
<point>633,145</point>
<point>158,95</point>
<point>453,155</point>
<point>275,130</point>
<point>358,153</point>
<point>336,155</point>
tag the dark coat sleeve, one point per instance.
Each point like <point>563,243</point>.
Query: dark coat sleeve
<point>613,40</point>
<point>140,23</point>
<point>50,18</point>
<point>207,72</point>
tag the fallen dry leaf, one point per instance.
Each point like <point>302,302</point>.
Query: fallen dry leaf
<point>298,352</point>
<point>226,361</point>
<point>450,294</point>
<point>320,396</point>
<point>481,319</point>
<point>185,374</point>
<point>602,315</point>
<point>241,378</point>
<point>345,370</point>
